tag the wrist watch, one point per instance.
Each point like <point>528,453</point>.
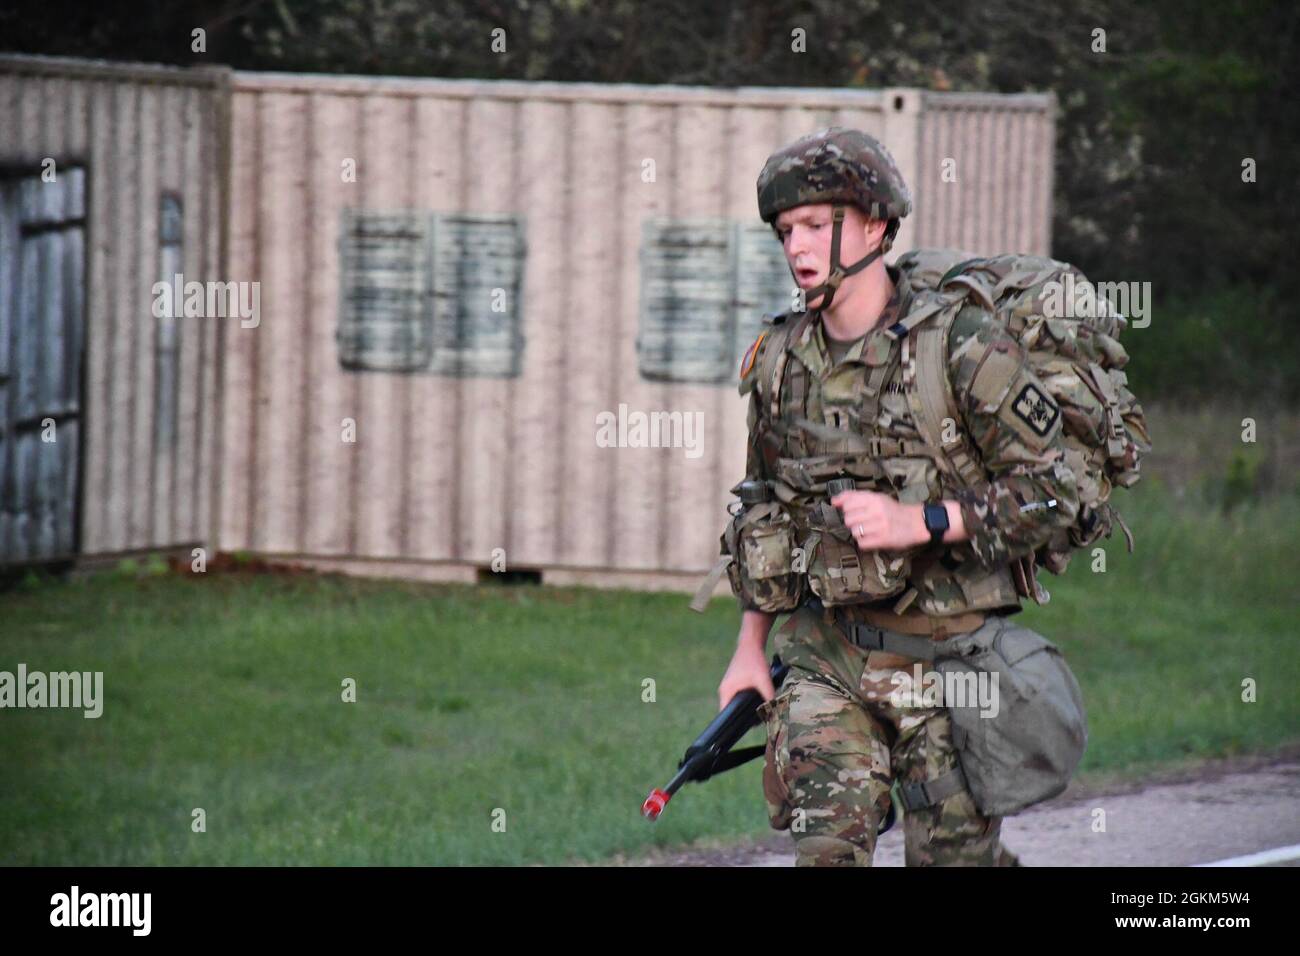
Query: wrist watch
<point>936,520</point>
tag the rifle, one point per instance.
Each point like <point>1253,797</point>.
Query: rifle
<point>711,752</point>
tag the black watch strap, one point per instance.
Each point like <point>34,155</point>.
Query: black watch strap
<point>936,520</point>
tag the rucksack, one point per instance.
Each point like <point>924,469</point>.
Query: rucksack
<point>1071,336</point>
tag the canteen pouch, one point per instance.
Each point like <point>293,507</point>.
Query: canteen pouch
<point>761,542</point>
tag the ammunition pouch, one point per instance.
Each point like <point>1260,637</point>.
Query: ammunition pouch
<point>946,588</point>
<point>837,572</point>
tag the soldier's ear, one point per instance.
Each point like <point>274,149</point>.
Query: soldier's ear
<point>873,230</point>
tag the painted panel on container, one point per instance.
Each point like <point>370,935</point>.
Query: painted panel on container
<point>705,286</point>
<point>386,324</point>
<point>171,229</point>
<point>431,292</point>
<point>764,287</point>
<point>478,275</point>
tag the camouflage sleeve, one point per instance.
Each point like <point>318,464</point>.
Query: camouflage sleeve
<point>754,469</point>
<point>1016,427</point>
<point>748,385</point>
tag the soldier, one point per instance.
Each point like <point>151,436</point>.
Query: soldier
<point>854,524</point>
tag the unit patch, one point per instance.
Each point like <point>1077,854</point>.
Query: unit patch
<point>747,362</point>
<point>1035,409</point>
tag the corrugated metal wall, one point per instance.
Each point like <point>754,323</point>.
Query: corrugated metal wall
<point>986,172</point>
<point>445,469</point>
<point>204,431</point>
<point>141,133</point>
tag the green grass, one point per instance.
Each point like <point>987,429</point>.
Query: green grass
<point>1164,638</point>
<point>224,692</point>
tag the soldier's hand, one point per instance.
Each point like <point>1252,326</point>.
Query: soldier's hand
<point>879,523</point>
<point>748,668</point>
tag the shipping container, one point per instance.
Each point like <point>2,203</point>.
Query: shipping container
<point>470,298</point>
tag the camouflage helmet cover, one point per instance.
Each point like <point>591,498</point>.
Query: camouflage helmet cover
<point>834,165</point>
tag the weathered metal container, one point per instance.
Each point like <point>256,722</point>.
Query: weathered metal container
<point>110,180</point>
<point>474,293</point>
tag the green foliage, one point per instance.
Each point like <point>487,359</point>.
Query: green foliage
<point>151,565</point>
<point>33,580</point>
<point>1224,344</point>
<point>127,568</point>
<point>1241,483</point>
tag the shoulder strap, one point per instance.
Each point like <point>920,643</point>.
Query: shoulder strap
<point>772,366</point>
<point>869,408</point>
<point>929,393</point>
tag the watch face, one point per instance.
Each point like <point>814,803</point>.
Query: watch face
<point>936,520</point>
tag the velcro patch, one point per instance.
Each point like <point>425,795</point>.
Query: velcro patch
<point>994,378</point>
<point>1033,407</point>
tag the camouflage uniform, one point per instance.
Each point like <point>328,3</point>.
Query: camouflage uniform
<point>836,741</point>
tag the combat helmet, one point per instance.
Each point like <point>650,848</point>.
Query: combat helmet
<point>839,166</point>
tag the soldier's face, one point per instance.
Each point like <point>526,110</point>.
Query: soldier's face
<point>805,233</point>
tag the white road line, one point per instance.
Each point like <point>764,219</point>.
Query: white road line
<point>1263,858</point>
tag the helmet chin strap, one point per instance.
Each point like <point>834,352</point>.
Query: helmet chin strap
<point>838,272</point>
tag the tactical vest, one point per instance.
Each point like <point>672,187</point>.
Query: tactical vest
<point>824,429</point>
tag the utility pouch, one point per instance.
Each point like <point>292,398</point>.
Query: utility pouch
<point>1023,744</point>
<point>761,541</point>
<point>838,573</point>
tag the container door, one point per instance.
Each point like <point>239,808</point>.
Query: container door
<point>42,334</point>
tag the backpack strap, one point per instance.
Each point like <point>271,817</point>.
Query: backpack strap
<point>929,391</point>
<point>1116,446</point>
<point>869,407</point>
<point>916,316</point>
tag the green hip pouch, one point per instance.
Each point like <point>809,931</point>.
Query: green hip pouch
<point>1021,740</point>
<point>1026,748</point>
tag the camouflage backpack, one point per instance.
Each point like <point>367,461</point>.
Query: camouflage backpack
<point>1070,335</point>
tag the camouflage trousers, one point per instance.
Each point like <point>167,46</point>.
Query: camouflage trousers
<point>836,742</point>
